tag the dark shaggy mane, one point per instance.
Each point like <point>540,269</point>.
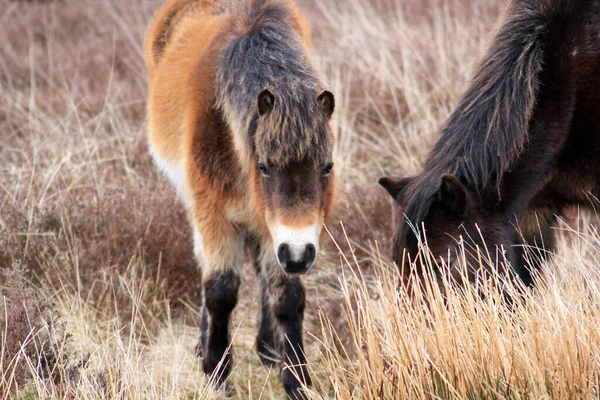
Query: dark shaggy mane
<point>267,52</point>
<point>489,128</point>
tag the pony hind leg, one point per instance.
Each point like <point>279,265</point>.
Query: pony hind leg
<point>267,344</point>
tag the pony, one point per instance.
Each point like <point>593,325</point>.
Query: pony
<point>239,121</point>
<point>520,147</point>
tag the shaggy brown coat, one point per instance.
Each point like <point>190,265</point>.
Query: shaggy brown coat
<point>239,121</point>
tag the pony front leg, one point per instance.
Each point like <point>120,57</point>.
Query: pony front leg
<point>535,235</point>
<point>218,250</point>
<point>220,298</point>
<point>287,299</point>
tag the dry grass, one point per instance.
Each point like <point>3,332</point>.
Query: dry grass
<point>98,280</point>
<point>468,343</point>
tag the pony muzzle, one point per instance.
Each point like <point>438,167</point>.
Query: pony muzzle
<point>296,249</point>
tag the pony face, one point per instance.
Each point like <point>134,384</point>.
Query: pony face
<point>452,222</point>
<point>295,184</point>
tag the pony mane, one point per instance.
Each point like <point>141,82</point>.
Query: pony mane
<point>489,129</point>
<point>267,52</point>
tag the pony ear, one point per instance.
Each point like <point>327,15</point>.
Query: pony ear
<point>394,185</point>
<point>326,103</point>
<point>452,196</point>
<point>265,102</point>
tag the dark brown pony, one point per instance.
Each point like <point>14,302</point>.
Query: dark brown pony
<point>522,145</point>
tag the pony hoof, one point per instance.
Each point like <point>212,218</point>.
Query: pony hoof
<point>268,358</point>
<point>268,362</point>
<point>293,387</point>
<point>297,394</point>
<point>226,387</point>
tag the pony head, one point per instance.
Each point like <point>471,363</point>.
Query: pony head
<point>294,170</point>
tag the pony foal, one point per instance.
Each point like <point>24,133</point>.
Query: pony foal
<point>239,121</point>
<point>520,147</point>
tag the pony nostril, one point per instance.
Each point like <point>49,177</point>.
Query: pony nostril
<point>283,254</point>
<point>294,260</point>
<point>310,253</point>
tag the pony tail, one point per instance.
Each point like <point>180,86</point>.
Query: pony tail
<point>489,128</point>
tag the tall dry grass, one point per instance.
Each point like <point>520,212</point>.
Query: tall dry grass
<point>99,286</point>
<point>451,342</point>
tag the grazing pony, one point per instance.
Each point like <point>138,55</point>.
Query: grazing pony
<point>240,123</point>
<point>522,145</point>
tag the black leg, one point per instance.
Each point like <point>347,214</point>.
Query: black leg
<point>267,346</point>
<point>287,300</point>
<point>220,298</point>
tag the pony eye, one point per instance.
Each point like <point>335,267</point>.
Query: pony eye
<point>263,169</point>
<point>327,169</point>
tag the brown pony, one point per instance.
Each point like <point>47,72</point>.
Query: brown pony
<point>239,122</point>
<point>521,146</point>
